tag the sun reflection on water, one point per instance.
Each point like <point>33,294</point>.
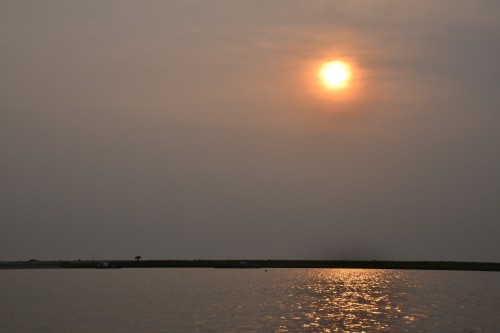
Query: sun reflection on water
<point>341,301</point>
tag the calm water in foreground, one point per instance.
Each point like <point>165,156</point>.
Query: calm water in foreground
<point>248,300</point>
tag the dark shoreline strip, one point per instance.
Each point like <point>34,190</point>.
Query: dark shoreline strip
<point>421,265</point>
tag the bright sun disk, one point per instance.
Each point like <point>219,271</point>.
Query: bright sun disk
<point>335,74</point>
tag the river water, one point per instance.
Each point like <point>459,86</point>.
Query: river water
<point>248,300</point>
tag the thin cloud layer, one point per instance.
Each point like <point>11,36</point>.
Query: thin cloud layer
<point>192,129</point>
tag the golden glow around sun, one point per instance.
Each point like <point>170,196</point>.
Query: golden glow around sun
<point>335,74</point>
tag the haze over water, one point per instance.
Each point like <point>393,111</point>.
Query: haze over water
<point>199,129</point>
<point>229,300</point>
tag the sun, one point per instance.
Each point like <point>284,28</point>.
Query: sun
<point>335,74</point>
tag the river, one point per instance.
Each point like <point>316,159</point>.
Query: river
<point>248,300</point>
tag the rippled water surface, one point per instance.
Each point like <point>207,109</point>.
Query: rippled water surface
<point>248,300</point>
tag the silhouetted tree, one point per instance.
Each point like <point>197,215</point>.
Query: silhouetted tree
<point>138,258</point>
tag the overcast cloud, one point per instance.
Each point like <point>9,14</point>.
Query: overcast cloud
<point>192,129</point>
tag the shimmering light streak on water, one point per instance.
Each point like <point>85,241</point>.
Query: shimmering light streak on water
<point>248,300</point>
<point>342,301</point>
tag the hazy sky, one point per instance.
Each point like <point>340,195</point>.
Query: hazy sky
<point>197,129</point>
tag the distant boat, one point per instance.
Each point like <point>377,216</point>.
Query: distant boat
<point>105,264</point>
